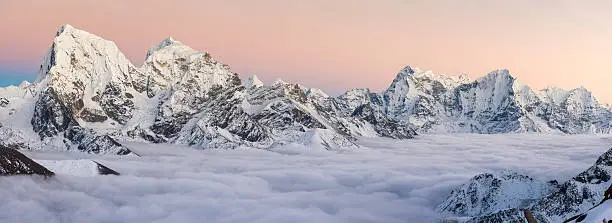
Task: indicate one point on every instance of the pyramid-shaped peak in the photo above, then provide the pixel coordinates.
(74, 48)
(253, 82)
(407, 70)
(402, 75)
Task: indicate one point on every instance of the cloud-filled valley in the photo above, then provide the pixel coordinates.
(385, 181)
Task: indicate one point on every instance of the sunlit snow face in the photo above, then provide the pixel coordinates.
(387, 181)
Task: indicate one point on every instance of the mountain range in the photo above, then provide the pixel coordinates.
(88, 96)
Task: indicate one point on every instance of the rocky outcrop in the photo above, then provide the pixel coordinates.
(3, 102)
(486, 200)
(12, 162)
(104, 170)
(488, 193)
(88, 140)
(51, 116)
(599, 213)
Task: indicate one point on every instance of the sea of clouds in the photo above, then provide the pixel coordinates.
(384, 181)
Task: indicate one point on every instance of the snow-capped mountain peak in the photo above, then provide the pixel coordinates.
(63, 28)
(170, 45)
(407, 70)
(279, 82)
(24, 84)
(253, 82)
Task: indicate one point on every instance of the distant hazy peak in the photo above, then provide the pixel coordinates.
(253, 82)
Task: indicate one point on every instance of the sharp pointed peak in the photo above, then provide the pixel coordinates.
(168, 41)
(253, 81)
(67, 28)
(25, 84)
(403, 74)
(407, 70)
(63, 28)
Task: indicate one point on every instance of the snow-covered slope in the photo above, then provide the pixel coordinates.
(600, 213)
(88, 95)
(550, 202)
(488, 193)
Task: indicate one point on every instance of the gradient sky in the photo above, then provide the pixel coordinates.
(338, 44)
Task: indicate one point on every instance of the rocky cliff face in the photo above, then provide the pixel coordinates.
(87, 89)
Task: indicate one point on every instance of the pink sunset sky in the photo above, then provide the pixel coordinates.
(339, 44)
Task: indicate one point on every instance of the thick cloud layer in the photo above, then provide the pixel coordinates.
(389, 181)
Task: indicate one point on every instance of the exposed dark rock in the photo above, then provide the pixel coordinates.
(51, 116)
(12, 162)
(116, 104)
(169, 127)
(382, 124)
(3, 102)
(103, 170)
(92, 115)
